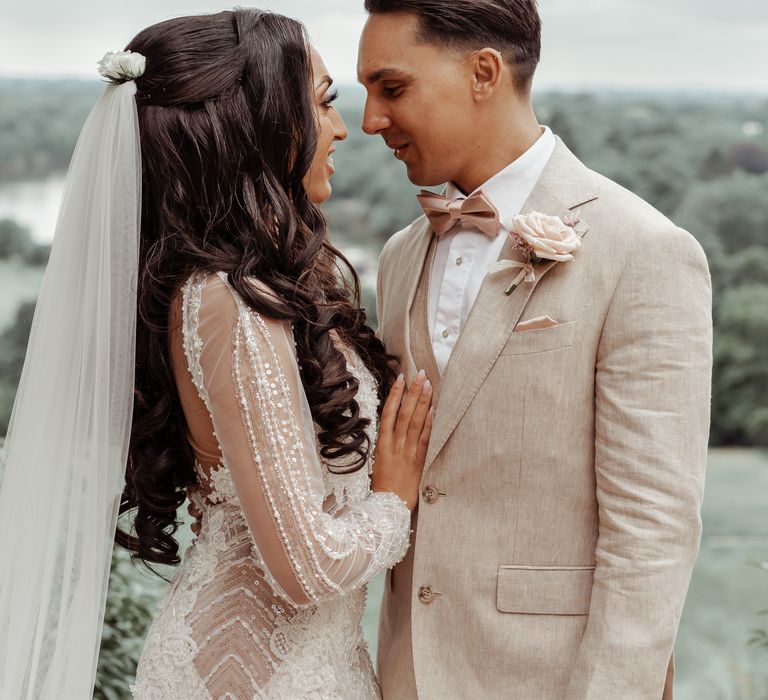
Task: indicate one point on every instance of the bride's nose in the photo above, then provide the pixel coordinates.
(340, 131)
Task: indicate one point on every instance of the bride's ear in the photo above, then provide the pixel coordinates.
(488, 71)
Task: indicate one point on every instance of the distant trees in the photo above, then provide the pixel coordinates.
(367, 173)
(130, 605)
(39, 124)
(15, 241)
(692, 159)
(13, 347)
(703, 162)
(729, 216)
(750, 158)
(740, 391)
(17, 244)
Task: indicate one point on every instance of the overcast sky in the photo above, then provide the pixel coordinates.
(690, 44)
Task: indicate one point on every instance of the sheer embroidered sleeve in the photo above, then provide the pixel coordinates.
(244, 367)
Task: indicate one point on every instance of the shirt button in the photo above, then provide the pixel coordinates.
(445, 334)
(430, 494)
(426, 595)
(459, 261)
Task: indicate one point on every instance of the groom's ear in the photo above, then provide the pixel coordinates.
(488, 73)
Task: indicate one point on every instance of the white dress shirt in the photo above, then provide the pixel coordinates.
(462, 256)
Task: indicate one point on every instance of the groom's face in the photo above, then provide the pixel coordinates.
(419, 98)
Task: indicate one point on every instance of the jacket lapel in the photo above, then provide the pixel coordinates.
(405, 281)
(494, 315)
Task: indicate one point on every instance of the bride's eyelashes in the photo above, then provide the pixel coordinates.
(330, 98)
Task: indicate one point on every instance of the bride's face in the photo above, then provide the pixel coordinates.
(330, 128)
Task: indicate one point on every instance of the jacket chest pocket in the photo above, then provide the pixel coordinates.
(544, 590)
(541, 340)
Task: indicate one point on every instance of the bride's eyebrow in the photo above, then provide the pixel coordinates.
(325, 79)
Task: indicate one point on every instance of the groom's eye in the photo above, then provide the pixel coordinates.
(392, 90)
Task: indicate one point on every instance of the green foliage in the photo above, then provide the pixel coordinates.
(39, 124)
(38, 256)
(730, 219)
(15, 240)
(740, 384)
(727, 215)
(13, 346)
(16, 244)
(130, 606)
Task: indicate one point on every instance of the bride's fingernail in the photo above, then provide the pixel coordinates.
(400, 379)
(422, 373)
(427, 386)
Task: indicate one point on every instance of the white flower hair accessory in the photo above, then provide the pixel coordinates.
(122, 65)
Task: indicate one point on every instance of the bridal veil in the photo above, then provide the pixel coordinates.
(67, 444)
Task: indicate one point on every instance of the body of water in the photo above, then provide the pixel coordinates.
(34, 204)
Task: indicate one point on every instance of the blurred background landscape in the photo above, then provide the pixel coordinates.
(700, 157)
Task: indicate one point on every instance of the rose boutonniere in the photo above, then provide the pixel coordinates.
(541, 238)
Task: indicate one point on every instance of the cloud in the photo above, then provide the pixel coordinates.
(655, 43)
(632, 43)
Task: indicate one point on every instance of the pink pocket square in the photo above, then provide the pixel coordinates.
(535, 324)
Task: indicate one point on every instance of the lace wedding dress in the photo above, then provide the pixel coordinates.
(269, 598)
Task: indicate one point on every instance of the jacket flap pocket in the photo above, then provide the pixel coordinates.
(544, 590)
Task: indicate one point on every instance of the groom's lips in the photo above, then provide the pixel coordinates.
(399, 150)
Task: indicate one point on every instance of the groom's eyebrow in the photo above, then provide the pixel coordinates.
(384, 74)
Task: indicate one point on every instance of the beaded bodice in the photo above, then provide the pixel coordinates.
(269, 598)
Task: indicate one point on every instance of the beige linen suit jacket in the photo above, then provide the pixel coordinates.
(559, 519)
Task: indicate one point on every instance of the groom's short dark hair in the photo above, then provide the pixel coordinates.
(513, 27)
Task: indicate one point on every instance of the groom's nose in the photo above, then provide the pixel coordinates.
(374, 119)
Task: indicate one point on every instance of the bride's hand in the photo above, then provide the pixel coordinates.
(401, 450)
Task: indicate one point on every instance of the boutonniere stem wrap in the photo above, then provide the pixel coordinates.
(542, 238)
(527, 272)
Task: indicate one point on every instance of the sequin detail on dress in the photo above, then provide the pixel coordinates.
(268, 601)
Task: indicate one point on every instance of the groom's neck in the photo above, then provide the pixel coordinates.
(501, 138)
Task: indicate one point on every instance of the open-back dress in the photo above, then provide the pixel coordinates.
(269, 598)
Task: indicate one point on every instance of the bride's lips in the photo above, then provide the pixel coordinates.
(329, 162)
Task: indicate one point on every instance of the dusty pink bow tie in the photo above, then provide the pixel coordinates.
(476, 210)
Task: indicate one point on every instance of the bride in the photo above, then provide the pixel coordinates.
(207, 340)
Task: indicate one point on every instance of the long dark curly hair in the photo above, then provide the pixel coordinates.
(228, 133)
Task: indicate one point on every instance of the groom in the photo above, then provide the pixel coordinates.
(559, 514)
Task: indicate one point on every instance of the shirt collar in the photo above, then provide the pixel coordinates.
(509, 189)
